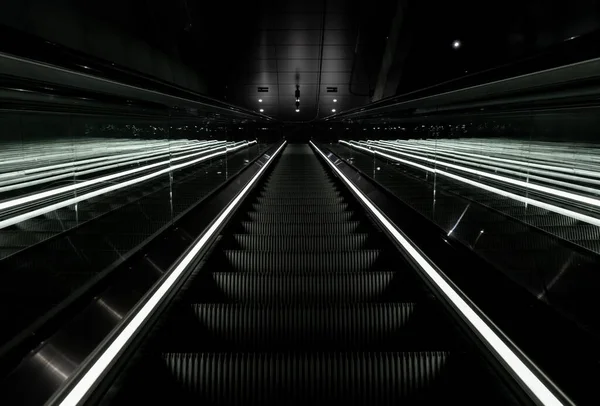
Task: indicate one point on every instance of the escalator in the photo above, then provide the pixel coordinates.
(303, 300)
(527, 243)
(75, 248)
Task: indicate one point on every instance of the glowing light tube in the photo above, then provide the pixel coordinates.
(78, 393)
(39, 176)
(45, 209)
(540, 188)
(521, 371)
(42, 195)
(557, 209)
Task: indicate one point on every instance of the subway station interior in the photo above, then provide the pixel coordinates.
(310, 202)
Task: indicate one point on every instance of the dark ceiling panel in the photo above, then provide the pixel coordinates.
(302, 43)
(298, 65)
(335, 77)
(302, 78)
(340, 37)
(264, 52)
(338, 52)
(337, 65)
(312, 21)
(291, 37)
(299, 52)
(262, 65)
(258, 79)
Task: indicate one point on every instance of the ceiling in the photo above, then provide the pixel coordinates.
(318, 44)
(312, 44)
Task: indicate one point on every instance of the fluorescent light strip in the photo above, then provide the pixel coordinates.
(83, 386)
(27, 154)
(512, 169)
(53, 192)
(511, 163)
(523, 373)
(528, 185)
(109, 162)
(98, 151)
(556, 209)
(567, 158)
(34, 213)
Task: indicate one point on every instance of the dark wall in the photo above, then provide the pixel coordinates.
(86, 27)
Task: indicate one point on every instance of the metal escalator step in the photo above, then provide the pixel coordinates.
(300, 208)
(299, 199)
(306, 378)
(347, 325)
(593, 245)
(280, 194)
(300, 243)
(301, 217)
(38, 224)
(303, 179)
(307, 229)
(581, 232)
(548, 220)
(300, 190)
(349, 261)
(305, 287)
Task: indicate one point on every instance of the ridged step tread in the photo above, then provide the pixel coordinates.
(349, 261)
(300, 243)
(294, 195)
(300, 199)
(300, 208)
(306, 229)
(301, 217)
(306, 378)
(300, 188)
(293, 287)
(347, 325)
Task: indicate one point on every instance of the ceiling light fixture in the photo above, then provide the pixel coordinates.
(333, 110)
(297, 110)
(335, 100)
(261, 110)
(260, 100)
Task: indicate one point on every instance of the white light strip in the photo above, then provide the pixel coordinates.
(449, 149)
(569, 213)
(46, 209)
(516, 182)
(83, 386)
(495, 343)
(514, 167)
(53, 192)
(142, 151)
(110, 162)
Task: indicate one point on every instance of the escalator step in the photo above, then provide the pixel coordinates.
(300, 243)
(340, 261)
(287, 287)
(303, 378)
(301, 217)
(304, 193)
(326, 201)
(299, 207)
(299, 188)
(338, 326)
(300, 229)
